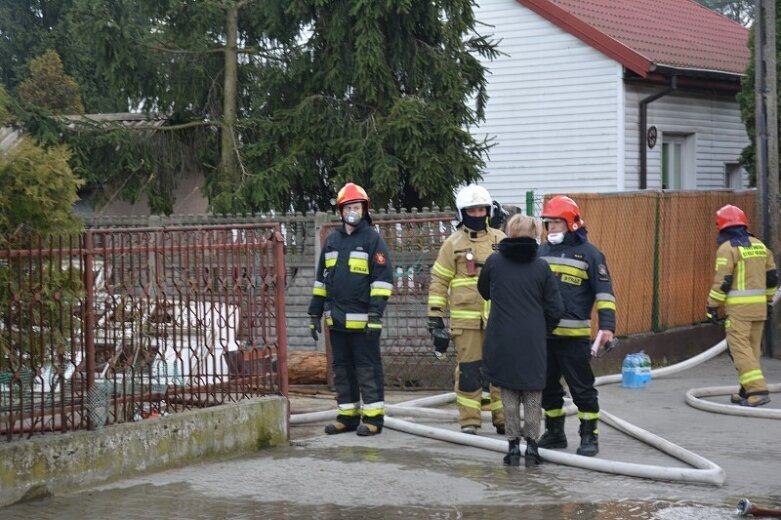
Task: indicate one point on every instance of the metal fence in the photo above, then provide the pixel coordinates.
(117, 325)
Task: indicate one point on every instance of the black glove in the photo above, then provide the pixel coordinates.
(441, 341)
(314, 326)
(435, 322)
(769, 311)
(374, 326)
(712, 313)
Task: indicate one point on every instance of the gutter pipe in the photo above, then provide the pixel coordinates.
(644, 129)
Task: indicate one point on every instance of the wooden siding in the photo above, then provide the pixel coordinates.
(553, 110)
(719, 134)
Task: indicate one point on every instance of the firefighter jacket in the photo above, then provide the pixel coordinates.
(354, 278)
(745, 279)
(454, 277)
(584, 279)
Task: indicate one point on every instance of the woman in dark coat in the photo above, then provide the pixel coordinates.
(525, 305)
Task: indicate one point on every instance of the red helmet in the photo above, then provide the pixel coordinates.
(729, 216)
(351, 192)
(563, 207)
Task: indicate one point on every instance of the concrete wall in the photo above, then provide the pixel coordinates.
(59, 463)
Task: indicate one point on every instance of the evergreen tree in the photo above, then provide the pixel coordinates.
(382, 94)
(742, 11)
(49, 87)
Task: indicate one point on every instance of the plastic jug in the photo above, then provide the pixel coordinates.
(628, 372)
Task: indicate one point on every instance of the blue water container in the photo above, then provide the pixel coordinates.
(628, 375)
(643, 370)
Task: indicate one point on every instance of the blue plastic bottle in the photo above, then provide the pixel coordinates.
(644, 369)
(628, 371)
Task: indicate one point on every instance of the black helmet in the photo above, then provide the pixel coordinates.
(499, 216)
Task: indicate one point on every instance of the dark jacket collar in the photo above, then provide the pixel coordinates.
(519, 249)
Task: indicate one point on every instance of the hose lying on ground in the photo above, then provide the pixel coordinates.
(704, 470)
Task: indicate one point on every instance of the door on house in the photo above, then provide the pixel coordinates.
(677, 163)
(733, 176)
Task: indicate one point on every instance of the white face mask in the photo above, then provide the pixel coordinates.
(555, 238)
(352, 217)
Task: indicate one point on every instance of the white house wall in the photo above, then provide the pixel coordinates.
(714, 121)
(554, 109)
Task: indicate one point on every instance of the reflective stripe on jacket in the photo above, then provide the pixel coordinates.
(452, 286)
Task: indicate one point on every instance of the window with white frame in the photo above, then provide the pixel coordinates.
(678, 172)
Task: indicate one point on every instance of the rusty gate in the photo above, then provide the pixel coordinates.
(118, 325)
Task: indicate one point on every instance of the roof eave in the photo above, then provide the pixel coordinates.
(591, 36)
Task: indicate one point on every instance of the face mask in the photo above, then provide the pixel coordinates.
(352, 218)
(555, 238)
(474, 223)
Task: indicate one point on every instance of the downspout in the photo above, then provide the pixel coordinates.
(644, 130)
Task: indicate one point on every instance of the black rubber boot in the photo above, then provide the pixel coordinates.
(513, 457)
(554, 437)
(589, 441)
(532, 456)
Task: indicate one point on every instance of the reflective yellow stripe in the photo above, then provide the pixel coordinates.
(469, 403)
(373, 325)
(496, 405)
(319, 291)
(329, 321)
(558, 412)
(437, 301)
(380, 292)
(566, 269)
(770, 292)
(463, 282)
(588, 416)
(487, 309)
(741, 276)
(465, 315)
(374, 412)
(606, 305)
(716, 295)
(731, 300)
(720, 262)
(354, 412)
(352, 324)
(358, 265)
(442, 272)
(585, 331)
(751, 376)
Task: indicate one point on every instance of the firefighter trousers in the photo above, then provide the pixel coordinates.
(744, 340)
(358, 378)
(571, 358)
(469, 379)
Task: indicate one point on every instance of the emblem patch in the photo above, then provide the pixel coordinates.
(380, 259)
(603, 275)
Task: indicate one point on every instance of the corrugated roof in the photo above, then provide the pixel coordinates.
(680, 34)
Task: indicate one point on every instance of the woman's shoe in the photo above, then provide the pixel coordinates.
(532, 456)
(513, 457)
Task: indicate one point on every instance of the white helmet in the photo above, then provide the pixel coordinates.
(473, 196)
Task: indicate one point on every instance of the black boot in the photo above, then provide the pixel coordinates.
(513, 457)
(554, 437)
(589, 442)
(532, 457)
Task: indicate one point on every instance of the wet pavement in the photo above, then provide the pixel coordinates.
(397, 475)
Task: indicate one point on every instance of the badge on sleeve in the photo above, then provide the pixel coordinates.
(603, 274)
(380, 259)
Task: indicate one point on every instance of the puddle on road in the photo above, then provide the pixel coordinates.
(176, 501)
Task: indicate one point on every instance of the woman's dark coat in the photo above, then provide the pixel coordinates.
(525, 305)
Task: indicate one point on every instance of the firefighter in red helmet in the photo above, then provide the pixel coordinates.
(584, 280)
(744, 286)
(353, 282)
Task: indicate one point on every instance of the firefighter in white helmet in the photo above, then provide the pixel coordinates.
(454, 285)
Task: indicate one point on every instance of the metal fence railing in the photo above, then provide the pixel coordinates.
(115, 325)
